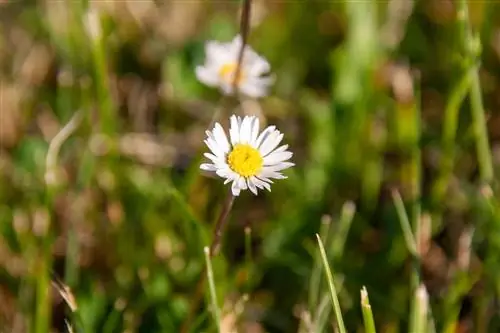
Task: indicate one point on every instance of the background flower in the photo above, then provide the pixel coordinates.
(220, 69)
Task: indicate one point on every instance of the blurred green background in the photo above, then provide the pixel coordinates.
(378, 100)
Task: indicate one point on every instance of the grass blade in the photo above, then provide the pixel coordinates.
(405, 223)
(419, 314)
(367, 312)
(331, 285)
(211, 284)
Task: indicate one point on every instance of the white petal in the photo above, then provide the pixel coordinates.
(271, 142)
(221, 138)
(242, 184)
(212, 157)
(230, 175)
(253, 90)
(256, 86)
(277, 157)
(245, 130)
(278, 167)
(265, 173)
(234, 130)
(215, 51)
(212, 145)
(235, 46)
(262, 136)
(259, 66)
(280, 149)
(252, 186)
(254, 131)
(260, 183)
(207, 75)
(208, 167)
(235, 189)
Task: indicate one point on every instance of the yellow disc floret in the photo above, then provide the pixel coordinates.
(245, 160)
(227, 72)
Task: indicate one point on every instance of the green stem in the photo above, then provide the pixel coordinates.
(472, 45)
(331, 285)
(420, 311)
(450, 125)
(43, 300)
(211, 284)
(107, 114)
(480, 130)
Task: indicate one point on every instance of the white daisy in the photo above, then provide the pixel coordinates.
(221, 62)
(248, 159)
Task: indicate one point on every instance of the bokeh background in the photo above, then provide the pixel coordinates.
(378, 100)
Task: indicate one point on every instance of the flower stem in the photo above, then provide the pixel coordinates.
(221, 223)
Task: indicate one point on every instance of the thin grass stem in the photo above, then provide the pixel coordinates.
(340, 236)
(331, 285)
(315, 280)
(420, 322)
(211, 284)
(405, 223)
(472, 46)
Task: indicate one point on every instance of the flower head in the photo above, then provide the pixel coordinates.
(221, 67)
(248, 159)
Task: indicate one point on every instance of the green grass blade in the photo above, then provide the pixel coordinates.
(419, 315)
(211, 284)
(367, 312)
(331, 285)
(405, 223)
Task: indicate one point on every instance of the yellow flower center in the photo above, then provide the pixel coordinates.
(227, 72)
(245, 160)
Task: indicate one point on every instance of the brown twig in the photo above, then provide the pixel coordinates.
(244, 31)
(221, 223)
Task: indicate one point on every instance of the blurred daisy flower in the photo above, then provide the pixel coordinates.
(221, 65)
(248, 159)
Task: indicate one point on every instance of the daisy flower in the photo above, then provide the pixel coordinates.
(248, 159)
(221, 62)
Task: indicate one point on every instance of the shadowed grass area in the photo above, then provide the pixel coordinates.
(390, 109)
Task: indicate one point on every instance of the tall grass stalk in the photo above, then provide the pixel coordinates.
(315, 279)
(43, 299)
(420, 322)
(405, 223)
(472, 46)
(331, 285)
(318, 306)
(340, 235)
(367, 312)
(211, 284)
(450, 124)
(92, 22)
